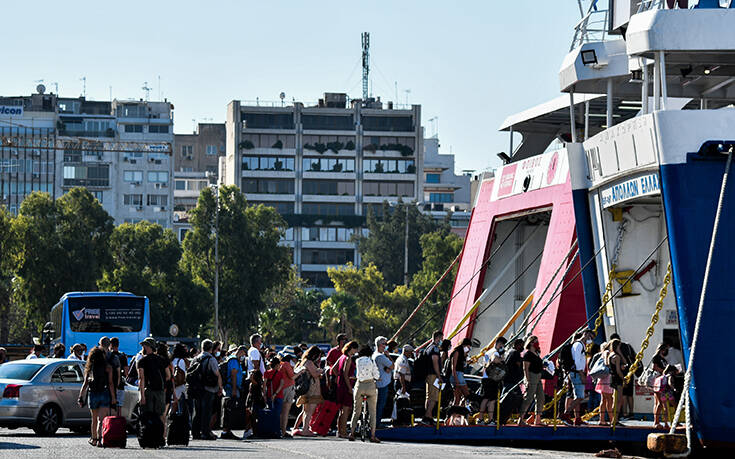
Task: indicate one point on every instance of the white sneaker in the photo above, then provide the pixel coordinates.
(247, 434)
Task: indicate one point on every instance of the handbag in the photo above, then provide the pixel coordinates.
(548, 370)
(648, 377)
(496, 371)
(599, 369)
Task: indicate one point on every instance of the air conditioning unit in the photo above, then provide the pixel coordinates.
(157, 185)
(151, 159)
(125, 159)
(135, 183)
(158, 161)
(133, 161)
(139, 207)
(162, 208)
(36, 174)
(164, 185)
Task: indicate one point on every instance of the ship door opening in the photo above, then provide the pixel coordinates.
(634, 229)
(526, 239)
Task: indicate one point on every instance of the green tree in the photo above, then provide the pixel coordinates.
(385, 244)
(251, 259)
(8, 249)
(145, 261)
(292, 314)
(63, 246)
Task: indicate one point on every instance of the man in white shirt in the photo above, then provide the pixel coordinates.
(576, 376)
(402, 372)
(35, 352)
(255, 359)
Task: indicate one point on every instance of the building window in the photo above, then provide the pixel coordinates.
(327, 256)
(186, 151)
(180, 185)
(321, 208)
(389, 166)
(133, 200)
(318, 279)
(97, 175)
(388, 123)
(268, 186)
(328, 122)
(328, 165)
(133, 176)
(97, 195)
(182, 233)
(212, 150)
(283, 208)
(158, 176)
(327, 234)
(157, 199)
(441, 197)
(433, 178)
(158, 129)
(267, 163)
(133, 128)
(404, 189)
(133, 111)
(328, 187)
(268, 120)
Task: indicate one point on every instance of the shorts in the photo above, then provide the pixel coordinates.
(459, 381)
(432, 392)
(154, 402)
(98, 399)
(289, 394)
(577, 385)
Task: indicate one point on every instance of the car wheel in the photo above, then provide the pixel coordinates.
(133, 421)
(48, 421)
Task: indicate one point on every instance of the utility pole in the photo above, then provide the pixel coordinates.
(405, 252)
(213, 182)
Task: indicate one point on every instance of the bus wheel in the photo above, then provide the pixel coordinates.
(48, 421)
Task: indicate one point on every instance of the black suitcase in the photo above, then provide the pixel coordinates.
(233, 413)
(178, 426)
(511, 404)
(267, 424)
(150, 430)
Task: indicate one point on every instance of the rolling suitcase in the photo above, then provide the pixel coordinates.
(178, 426)
(267, 424)
(233, 413)
(114, 431)
(323, 417)
(150, 430)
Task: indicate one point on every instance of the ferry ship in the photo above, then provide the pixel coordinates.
(614, 181)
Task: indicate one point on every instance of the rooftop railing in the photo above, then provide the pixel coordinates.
(592, 27)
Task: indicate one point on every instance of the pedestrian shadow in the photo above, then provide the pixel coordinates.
(11, 445)
(210, 448)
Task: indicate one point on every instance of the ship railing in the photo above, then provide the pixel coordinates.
(593, 27)
(646, 5)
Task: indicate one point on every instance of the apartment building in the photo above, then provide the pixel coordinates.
(445, 192)
(322, 167)
(119, 150)
(196, 159)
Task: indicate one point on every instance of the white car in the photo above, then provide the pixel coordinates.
(42, 394)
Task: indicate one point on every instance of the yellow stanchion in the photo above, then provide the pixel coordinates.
(497, 411)
(556, 415)
(439, 408)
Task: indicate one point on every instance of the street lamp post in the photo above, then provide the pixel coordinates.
(405, 252)
(213, 178)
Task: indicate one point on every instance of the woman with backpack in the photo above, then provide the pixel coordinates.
(344, 371)
(457, 362)
(180, 364)
(309, 366)
(99, 389)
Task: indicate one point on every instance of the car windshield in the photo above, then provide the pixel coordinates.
(21, 371)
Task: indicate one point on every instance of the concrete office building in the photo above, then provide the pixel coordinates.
(322, 167)
(445, 193)
(119, 150)
(195, 156)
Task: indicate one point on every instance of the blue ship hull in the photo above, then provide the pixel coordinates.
(690, 193)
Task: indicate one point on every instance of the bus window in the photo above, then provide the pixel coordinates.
(106, 314)
(56, 316)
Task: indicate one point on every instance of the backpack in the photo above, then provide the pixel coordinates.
(132, 377)
(179, 376)
(223, 373)
(302, 383)
(566, 360)
(199, 375)
(422, 366)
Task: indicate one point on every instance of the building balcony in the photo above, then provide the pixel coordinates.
(107, 133)
(330, 175)
(270, 197)
(268, 174)
(328, 245)
(389, 177)
(380, 199)
(268, 151)
(329, 198)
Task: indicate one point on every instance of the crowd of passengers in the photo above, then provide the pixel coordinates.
(220, 388)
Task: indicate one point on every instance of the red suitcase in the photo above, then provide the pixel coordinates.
(323, 417)
(114, 431)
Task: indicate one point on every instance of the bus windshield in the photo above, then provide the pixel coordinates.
(106, 314)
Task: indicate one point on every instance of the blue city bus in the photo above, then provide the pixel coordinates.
(85, 317)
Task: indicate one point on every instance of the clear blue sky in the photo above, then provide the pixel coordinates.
(469, 63)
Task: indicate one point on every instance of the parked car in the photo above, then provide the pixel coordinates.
(42, 394)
